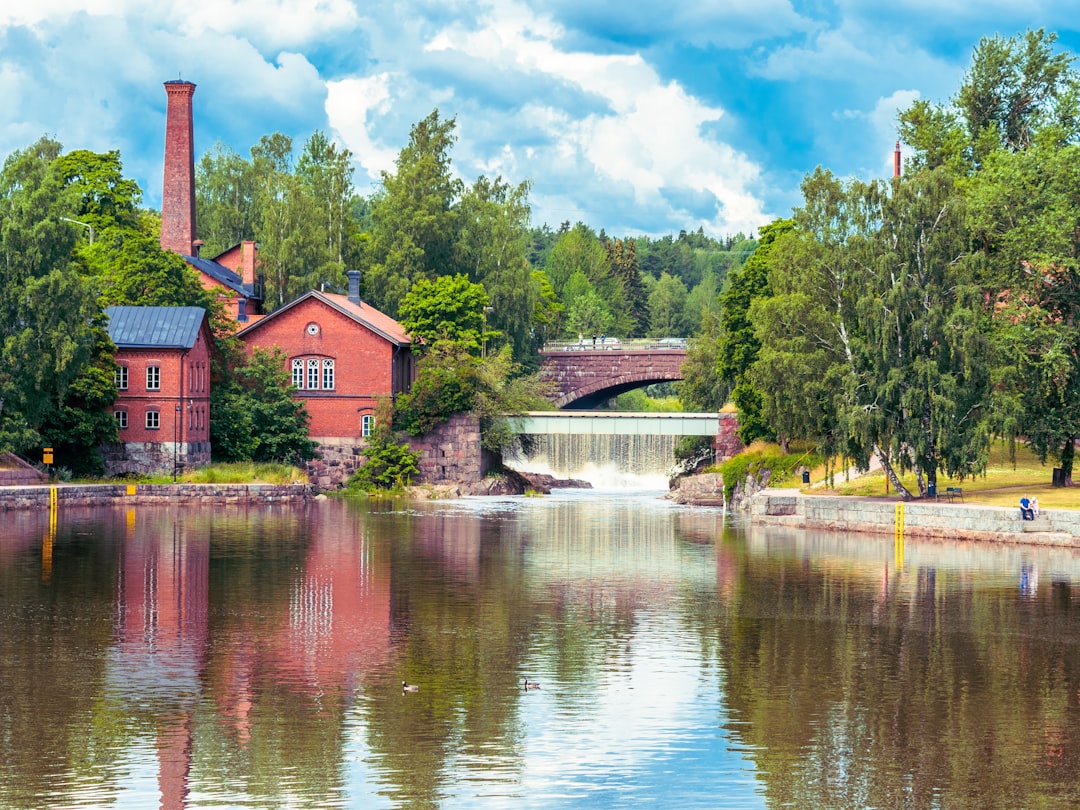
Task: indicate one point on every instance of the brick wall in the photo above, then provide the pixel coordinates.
(363, 363)
(452, 453)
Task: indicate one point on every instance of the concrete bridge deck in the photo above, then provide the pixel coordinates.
(618, 423)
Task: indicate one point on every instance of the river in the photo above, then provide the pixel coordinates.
(254, 657)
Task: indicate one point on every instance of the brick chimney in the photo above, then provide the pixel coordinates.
(247, 262)
(178, 189)
(896, 161)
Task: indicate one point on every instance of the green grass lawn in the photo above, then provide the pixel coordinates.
(1004, 482)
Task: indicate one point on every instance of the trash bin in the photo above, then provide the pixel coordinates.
(806, 476)
(931, 490)
(1059, 477)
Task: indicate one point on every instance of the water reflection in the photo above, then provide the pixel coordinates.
(254, 657)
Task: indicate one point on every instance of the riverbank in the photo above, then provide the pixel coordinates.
(918, 519)
(40, 497)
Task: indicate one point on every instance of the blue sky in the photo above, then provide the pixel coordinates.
(639, 118)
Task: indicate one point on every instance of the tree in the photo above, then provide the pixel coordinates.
(225, 199)
(493, 219)
(667, 307)
(622, 255)
(414, 225)
(738, 343)
(448, 309)
(50, 335)
(256, 417)
(1025, 213)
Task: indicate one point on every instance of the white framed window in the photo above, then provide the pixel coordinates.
(298, 373)
(153, 420)
(328, 374)
(153, 378)
(121, 419)
(367, 424)
(313, 373)
(121, 377)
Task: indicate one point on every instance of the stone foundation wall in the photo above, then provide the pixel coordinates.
(452, 452)
(143, 458)
(727, 443)
(336, 459)
(930, 519)
(151, 494)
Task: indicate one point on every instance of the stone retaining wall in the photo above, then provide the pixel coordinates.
(38, 497)
(931, 519)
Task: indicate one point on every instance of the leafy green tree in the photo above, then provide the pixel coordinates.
(579, 255)
(225, 191)
(622, 255)
(667, 307)
(447, 309)
(1025, 212)
(702, 388)
(414, 223)
(491, 246)
(738, 342)
(255, 415)
(447, 381)
(49, 333)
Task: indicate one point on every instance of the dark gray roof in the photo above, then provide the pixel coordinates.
(154, 327)
(223, 274)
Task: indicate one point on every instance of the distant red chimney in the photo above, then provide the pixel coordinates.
(896, 161)
(178, 189)
(247, 262)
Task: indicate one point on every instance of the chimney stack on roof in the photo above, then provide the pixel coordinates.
(178, 188)
(354, 286)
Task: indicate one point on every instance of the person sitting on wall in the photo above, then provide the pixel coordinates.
(1035, 507)
(1026, 512)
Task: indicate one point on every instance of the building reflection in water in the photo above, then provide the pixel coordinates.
(329, 627)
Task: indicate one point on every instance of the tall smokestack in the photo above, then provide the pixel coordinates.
(178, 189)
(896, 161)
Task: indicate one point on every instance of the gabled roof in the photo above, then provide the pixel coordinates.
(365, 314)
(155, 327)
(222, 274)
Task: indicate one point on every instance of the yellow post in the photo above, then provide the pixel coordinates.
(898, 531)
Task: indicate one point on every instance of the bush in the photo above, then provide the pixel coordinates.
(390, 463)
(765, 457)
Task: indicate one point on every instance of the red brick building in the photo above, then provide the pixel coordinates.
(231, 273)
(344, 356)
(162, 408)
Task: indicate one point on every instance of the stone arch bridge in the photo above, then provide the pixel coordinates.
(586, 377)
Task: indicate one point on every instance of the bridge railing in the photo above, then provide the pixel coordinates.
(615, 344)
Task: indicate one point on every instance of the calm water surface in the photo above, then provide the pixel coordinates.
(237, 657)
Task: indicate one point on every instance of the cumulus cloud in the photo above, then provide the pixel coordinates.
(648, 139)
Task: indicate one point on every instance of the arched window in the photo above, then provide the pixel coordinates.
(328, 375)
(312, 373)
(298, 373)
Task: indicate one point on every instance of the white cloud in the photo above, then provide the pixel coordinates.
(350, 106)
(649, 137)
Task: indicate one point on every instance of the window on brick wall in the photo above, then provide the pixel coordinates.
(153, 378)
(367, 424)
(121, 419)
(120, 375)
(298, 373)
(312, 374)
(328, 375)
(153, 420)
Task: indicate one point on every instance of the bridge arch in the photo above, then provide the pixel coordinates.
(584, 379)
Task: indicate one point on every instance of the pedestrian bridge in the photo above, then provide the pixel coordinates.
(584, 377)
(618, 423)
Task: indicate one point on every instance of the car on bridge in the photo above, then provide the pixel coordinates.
(671, 343)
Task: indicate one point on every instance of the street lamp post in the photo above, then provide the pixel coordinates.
(175, 440)
(84, 224)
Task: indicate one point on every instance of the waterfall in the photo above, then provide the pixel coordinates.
(605, 461)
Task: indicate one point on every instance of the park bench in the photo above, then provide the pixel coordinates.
(951, 494)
